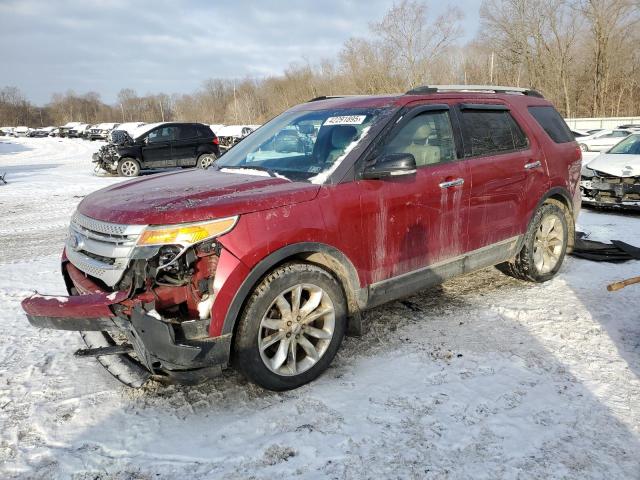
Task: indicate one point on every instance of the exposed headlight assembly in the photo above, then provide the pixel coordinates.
(186, 234)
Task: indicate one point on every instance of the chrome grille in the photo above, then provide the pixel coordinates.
(90, 240)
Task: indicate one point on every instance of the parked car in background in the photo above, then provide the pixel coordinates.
(229, 135)
(265, 260)
(7, 131)
(612, 179)
(21, 131)
(630, 126)
(64, 129)
(159, 145)
(602, 140)
(580, 133)
(41, 132)
(55, 132)
(101, 131)
(215, 128)
(78, 131)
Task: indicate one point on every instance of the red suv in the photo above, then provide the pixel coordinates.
(265, 260)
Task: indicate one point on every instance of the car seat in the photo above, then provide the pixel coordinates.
(341, 137)
(423, 153)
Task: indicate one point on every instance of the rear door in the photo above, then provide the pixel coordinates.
(186, 145)
(507, 171)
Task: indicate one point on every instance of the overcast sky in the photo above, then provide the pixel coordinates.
(172, 46)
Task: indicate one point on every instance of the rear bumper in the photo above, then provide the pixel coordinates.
(169, 351)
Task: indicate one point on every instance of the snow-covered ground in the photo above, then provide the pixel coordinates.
(485, 377)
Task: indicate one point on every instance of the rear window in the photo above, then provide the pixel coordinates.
(204, 131)
(188, 131)
(552, 123)
(490, 132)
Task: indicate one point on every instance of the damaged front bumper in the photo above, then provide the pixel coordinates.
(106, 158)
(614, 192)
(128, 336)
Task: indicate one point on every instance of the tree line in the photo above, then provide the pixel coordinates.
(581, 54)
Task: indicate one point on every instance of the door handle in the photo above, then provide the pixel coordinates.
(452, 183)
(536, 164)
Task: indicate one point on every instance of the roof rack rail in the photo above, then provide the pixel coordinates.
(324, 97)
(425, 89)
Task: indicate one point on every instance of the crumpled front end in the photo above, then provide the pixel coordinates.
(600, 189)
(107, 158)
(144, 312)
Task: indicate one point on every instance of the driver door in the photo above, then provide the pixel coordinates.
(411, 222)
(156, 153)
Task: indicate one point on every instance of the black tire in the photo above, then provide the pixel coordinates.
(128, 167)
(247, 356)
(123, 367)
(206, 160)
(524, 266)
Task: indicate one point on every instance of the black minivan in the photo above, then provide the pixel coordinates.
(159, 145)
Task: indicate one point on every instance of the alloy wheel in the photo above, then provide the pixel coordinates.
(296, 330)
(129, 168)
(548, 243)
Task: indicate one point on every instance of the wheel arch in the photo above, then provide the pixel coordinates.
(562, 198)
(325, 256)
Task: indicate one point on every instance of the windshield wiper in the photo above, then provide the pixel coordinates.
(246, 167)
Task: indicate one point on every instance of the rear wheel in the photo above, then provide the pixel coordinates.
(544, 248)
(128, 167)
(291, 328)
(206, 160)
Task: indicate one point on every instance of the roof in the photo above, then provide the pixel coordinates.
(400, 100)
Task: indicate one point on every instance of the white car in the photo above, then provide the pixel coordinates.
(21, 131)
(613, 178)
(101, 131)
(602, 140)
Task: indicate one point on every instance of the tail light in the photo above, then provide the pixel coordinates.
(216, 141)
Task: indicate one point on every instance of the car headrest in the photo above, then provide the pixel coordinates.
(422, 132)
(343, 135)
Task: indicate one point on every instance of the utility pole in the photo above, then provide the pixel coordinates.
(235, 103)
(491, 71)
(122, 108)
(161, 109)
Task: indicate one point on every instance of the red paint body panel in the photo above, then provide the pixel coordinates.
(94, 305)
(191, 196)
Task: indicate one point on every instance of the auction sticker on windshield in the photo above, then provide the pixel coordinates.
(346, 120)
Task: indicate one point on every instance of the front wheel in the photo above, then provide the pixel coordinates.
(128, 167)
(544, 247)
(206, 160)
(291, 328)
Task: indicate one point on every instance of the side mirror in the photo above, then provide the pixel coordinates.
(391, 165)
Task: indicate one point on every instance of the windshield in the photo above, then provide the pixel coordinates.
(301, 145)
(629, 146)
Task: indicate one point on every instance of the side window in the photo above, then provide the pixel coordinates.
(492, 132)
(428, 137)
(204, 131)
(187, 131)
(552, 123)
(162, 134)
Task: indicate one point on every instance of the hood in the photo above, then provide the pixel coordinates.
(616, 164)
(191, 196)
